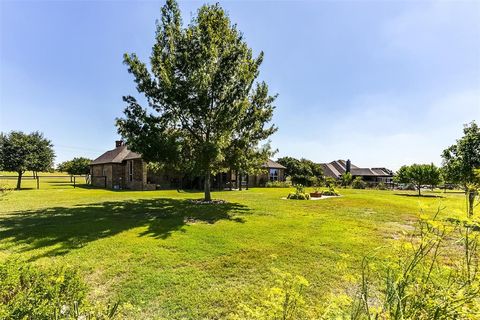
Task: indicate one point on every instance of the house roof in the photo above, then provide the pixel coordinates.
(336, 168)
(117, 155)
(272, 164)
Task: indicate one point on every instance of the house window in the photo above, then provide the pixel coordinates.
(273, 176)
(130, 170)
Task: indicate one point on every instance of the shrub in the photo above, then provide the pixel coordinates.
(299, 193)
(330, 192)
(301, 196)
(330, 182)
(28, 292)
(278, 184)
(358, 183)
(381, 186)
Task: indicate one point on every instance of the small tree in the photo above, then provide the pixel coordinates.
(419, 175)
(78, 166)
(346, 179)
(21, 152)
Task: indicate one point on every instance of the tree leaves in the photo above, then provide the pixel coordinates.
(203, 112)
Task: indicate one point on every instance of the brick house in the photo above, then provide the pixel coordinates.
(122, 168)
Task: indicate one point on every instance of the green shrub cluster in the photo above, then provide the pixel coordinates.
(381, 186)
(278, 184)
(28, 292)
(299, 193)
(358, 183)
(330, 192)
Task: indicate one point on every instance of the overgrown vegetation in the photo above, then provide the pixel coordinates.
(55, 292)
(434, 276)
(284, 300)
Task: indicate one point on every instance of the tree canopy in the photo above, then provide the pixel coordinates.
(461, 159)
(419, 175)
(205, 111)
(20, 152)
(76, 166)
(302, 171)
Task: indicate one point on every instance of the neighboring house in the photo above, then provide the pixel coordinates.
(273, 171)
(335, 169)
(121, 168)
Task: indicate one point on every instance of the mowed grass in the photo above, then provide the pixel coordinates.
(173, 259)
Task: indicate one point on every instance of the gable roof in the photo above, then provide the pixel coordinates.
(272, 164)
(336, 168)
(117, 155)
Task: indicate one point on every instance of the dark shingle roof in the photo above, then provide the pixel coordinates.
(116, 155)
(272, 164)
(336, 168)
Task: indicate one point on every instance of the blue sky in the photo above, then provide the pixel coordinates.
(383, 83)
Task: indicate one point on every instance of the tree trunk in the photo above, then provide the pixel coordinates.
(240, 178)
(419, 191)
(208, 197)
(19, 181)
(247, 183)
(471, 201)
(230, 179)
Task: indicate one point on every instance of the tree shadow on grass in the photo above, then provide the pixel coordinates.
(68, 228)
(419, 196)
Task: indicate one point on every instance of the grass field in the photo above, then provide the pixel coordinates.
(172, 259)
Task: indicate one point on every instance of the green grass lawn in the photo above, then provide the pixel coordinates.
(173, 259)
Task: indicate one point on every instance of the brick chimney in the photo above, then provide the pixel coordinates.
(118, 143)
(349, 165)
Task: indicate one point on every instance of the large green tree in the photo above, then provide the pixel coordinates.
(20, 152)
(301, 171)
(203, 101)
(76, 166)
(461, 159)
(419, 175)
